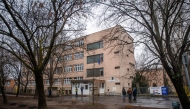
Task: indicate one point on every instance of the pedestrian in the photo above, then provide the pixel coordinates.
(49, 93)
(123, 94)
(134, 93)
(76, 92)
(81, 90)
(129, 91)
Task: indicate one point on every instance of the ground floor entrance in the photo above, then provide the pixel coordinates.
(85, 87)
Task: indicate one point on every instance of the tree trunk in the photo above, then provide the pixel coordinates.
(181, 93)
(51, 83)
(18, 90)
(138, 88)
(25, 88)
(36, 93)
(3, 93)
(41, 94)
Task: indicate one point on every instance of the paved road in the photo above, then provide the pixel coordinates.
(161, 102)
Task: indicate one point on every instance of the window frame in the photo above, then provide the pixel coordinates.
(68, 69)
(78, 67)
(93, 46)
(95, 58)
(98, 72)
(79, 55)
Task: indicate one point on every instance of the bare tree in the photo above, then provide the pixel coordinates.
(35, 26)
(4, 72)
(162, 26)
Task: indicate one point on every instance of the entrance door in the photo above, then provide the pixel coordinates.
(86, 89)
(101, 88)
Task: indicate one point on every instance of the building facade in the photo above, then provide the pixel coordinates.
(105, 59)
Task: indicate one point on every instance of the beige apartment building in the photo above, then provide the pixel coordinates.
(100, 57)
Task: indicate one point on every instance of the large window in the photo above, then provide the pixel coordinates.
(95, 58)
(79, 55)
(58, 70)
(78, 67)
(95, 72)
(67, 81)
(56, 81)
(68, 68)
(68, 57)
(95, 45)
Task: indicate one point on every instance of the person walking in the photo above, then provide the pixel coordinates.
(76, 92)
(81, 90)
(129, 91)
(123, 94)
(134, 93)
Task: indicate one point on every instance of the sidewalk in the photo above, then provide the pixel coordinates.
(144, 101)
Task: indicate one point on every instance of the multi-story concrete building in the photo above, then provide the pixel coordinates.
(105, 57)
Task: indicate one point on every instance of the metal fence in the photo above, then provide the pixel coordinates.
(146, 90)
(140, 91)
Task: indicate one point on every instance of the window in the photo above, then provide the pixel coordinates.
(78, 78)
(68, 69)
(67, 81)
(78, 67)
(29, 82)
(67, 47)
(79, 55)
(128, 84)
(117, 52)
(95, 45)
(58, 59)
(117, 67)
(117, 83)
(7, 83)
(68, 57)
(101, 85)
(115, 38)
(86, 87)
(97, 72)
(56, 81)
(58, 70)
(101, 72)
(33, 82)
(47, 82)
(79, 43)
(112, 78)
(94, 58)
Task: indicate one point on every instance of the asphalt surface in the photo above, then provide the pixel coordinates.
(144, 101)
